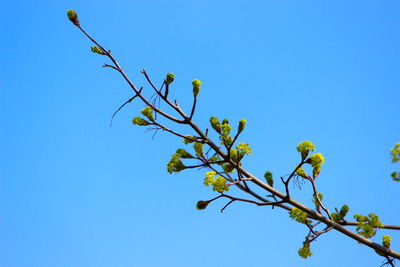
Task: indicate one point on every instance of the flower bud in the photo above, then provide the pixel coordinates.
(242, 124)
(196, 87)
(268, 177)
(73, 17)
(201, 205)
(97, 50)
(170, 78)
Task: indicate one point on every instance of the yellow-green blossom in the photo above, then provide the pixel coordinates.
(304, 148)
(148, 112)
(244, 148)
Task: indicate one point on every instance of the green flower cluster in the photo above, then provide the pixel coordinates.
(170, 78)
(73, 17)
(244, 149)
(367, 224)
(219, 183)
(268, 177)
(299, 216)
(304, 148)
(339, 216)
(139, 121)
(226, 129)
(305, 251)
(148, 113)
(97, 50)
(316, 161)
(175, 164)
(196, 87)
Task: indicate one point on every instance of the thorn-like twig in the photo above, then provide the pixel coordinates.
(127, 102)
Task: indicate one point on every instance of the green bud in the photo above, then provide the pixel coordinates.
(139, 121)
(268, 177)
(183, 153)
(196, 87)
(225, 121)
(148, 112)
(395, 152)
(215, 124)
(170, 78)
(201, 205)
(242, 124)
(386, 241)
(97, 50)
(344, 210)
(73, 17)
(396, 176)
(301, 172)
(228, 168)
(316, 172)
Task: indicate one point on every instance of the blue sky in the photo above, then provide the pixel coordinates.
(75, 192)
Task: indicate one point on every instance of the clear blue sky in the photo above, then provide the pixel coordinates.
(75, 192)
